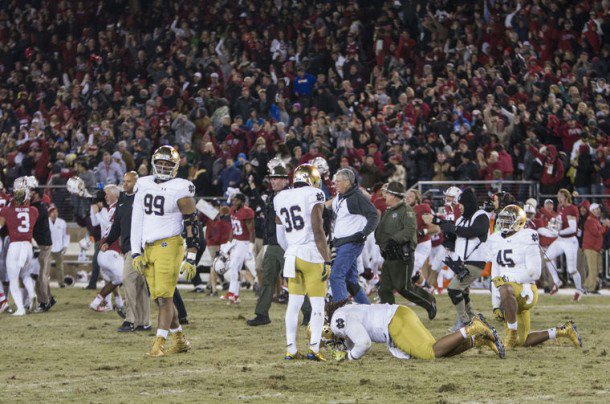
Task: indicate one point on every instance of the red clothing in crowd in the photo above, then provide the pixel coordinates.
(593, 234)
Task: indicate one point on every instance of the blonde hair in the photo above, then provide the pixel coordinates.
(566, 193)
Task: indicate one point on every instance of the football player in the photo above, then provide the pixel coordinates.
(242, 222)
(19, 219)
(404, 334)
(300, 233)
(566, 242)
(326, 184)
(516, 266)
(4, 201)
(163, 205)
(423, 214)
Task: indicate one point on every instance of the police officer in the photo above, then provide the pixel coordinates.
(396, 236)
(273, 258)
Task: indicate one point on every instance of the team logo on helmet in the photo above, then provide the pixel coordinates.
(165, 163)
(511, 219)
(308, 174)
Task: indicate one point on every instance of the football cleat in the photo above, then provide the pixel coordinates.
(181, 344)
(512, 339)
(569, 330)
(577, 296)
(226, 296)
(496, 346)
(233, 299)
(126, 327)
(499, 314)
(480, 326)
(158, 348)
(312, 356)
(258, 320)
(294, 356)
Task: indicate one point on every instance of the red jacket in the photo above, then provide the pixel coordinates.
(593, 234)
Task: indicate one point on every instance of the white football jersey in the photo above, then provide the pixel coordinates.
(517, 257)
(361, 324)
(155, 214)
(294, 207)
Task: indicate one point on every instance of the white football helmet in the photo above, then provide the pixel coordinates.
(452, 195)
(321, 164)
(221, 264)
(76, 186)
(554, 224)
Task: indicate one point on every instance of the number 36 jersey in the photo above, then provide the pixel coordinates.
(517, 257)
(20, 222)
(155, 214)
(294, 207)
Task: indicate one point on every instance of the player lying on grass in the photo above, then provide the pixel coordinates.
(516, 266)
(401, 330)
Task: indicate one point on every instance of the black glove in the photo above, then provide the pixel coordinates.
(437, 220)
(458, 267)
(448, 227)
(421, 233)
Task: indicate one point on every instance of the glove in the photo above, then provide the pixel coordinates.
(326, 271)
(188, 268)
(139, 264)
(447, 227)
(527, 293)
(499, 280)
(340, 355)
(499, 314)
(421, 233)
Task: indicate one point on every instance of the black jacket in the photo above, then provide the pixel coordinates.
(121, 226)
(42, 231)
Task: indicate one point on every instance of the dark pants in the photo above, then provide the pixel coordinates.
(344, 274)
(179, 304)
(396, 274)
(273, 263)
(95, 268)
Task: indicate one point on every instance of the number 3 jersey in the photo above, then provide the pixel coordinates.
(294, 207)
(155, 214)
(20, 222)
(517, 256)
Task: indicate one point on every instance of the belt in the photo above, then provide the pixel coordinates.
(567, 235)
(165, 240)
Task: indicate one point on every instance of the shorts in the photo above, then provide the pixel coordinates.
(163, 258)
(410, 335)
(308, 279)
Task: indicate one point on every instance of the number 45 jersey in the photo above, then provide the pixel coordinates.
(517, 256)
(155, 214)
(294, 207)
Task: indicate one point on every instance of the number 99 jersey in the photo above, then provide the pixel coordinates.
(294, 207)
(156, 214)
(517, 257)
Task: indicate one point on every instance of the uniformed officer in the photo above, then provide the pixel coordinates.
(396, 236)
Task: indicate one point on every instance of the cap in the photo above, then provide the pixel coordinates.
(549, 201)
(53, 207)
(593, 207)
(529, 208)
(395, 188)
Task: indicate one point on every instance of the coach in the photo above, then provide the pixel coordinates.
(355, 217)
(42, 235)
(593, 237)
(136, 294)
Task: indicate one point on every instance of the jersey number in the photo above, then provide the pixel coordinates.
(154, 204)
(237, 229)
(292, 217)
(24, 224)
(504, 258)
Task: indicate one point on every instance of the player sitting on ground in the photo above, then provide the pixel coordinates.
(516, 266)
(401, 330)
(162, 205)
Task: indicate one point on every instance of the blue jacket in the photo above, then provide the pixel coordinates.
(230, 177)
(304, 86)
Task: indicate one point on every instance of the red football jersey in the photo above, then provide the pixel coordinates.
(564, 212)
(238, 222)
(20, 222)
(452, 212)
(420, 211)
(5, 199)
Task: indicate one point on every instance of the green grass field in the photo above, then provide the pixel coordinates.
(74, 354)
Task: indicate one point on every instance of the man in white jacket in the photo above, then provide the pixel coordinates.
(61, 240)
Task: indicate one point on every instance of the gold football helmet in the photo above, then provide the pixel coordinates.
(165, 172)
(308, 174)
(511, 219)
(327, 334)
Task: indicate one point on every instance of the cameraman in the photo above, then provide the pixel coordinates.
(468, 259)
(397, 232)
(100, 219)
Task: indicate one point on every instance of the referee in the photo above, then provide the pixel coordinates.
(137, 316)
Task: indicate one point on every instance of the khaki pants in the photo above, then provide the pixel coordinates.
(136, 295)
(258, 253)
(594, 264)
(43, 289)
(58, 258)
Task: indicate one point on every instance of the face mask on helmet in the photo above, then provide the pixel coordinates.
(307, 174)
(511, 219)
(21, 195)
(165, 162)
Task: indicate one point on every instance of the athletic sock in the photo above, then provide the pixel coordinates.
(175, 330)
(119, 301)
(552, 333)
(554, 274)
(162, 333)
(463, 332)
(577, 280)
(98, 299)
(292, 321)
(108, 299)
(511, 326)
(316, 323)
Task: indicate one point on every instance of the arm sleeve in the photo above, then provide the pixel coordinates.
(137, 219)
(356, 333)
(495, 292)
(280, 234)
(533, 266)
(115, 230)
(94, 219)
(570, 229)
(479, 227)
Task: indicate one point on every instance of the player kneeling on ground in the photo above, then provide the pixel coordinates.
(162, 205)
(516, 266)
(401, 330)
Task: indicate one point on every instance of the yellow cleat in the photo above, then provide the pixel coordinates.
(181, 344)
(158, 348)
(318, 357)
(295, 356)
(569, 330)
(482, 341)
(480, 326)
(512, 339)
